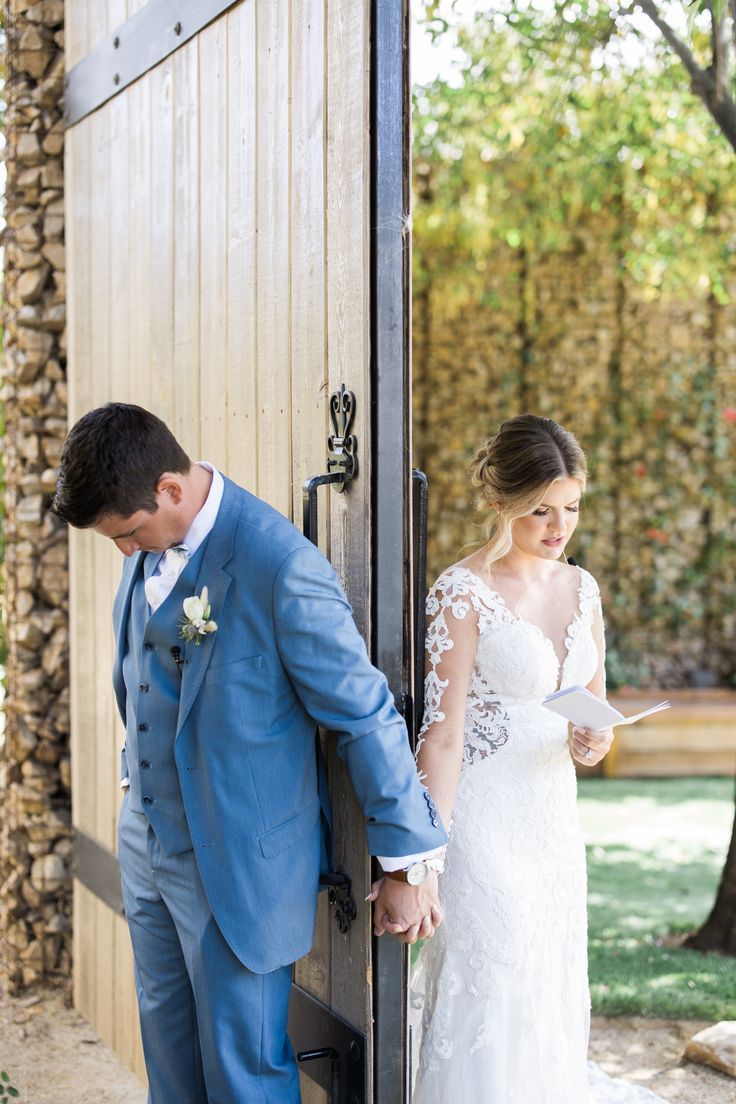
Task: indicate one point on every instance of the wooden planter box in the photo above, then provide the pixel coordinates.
(697, 736)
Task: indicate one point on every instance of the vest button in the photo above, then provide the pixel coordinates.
(145, 764)
(148, 646)
(143, 727)
(148, 801)
(144, 688)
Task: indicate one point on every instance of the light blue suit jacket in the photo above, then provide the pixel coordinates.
(286, 654)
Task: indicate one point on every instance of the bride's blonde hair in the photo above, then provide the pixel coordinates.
(514, 469)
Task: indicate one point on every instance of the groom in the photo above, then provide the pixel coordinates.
(223, 826)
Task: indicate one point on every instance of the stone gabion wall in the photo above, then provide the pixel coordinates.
(35, 797)
(649, 386)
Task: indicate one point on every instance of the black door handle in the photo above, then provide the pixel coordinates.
(310, 526)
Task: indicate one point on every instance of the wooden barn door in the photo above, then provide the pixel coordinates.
(236, 192)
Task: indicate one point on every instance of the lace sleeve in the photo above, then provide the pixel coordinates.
(592, 595)
(452, 638)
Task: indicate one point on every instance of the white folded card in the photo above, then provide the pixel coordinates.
(584, 709)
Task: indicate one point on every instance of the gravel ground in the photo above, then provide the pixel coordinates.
(52, 1054)
(649, 1053)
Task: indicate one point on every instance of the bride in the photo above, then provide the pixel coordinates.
(502, 988)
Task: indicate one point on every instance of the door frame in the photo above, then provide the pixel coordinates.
(392, 644)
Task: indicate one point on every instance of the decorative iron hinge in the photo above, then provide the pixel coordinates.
(342, 460)
(342, 444)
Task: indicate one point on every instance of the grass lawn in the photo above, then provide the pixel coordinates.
(655, 852)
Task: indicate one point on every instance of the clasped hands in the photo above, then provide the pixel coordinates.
(408, 912)
(590, 745)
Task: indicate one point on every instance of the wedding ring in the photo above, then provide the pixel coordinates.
(588, 754)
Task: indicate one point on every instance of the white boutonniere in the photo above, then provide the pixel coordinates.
(195, 625)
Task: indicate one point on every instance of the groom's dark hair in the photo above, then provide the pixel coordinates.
(111, 463)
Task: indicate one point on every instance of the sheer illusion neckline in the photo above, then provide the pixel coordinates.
(568, 634)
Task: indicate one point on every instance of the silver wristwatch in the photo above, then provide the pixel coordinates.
(414, 875)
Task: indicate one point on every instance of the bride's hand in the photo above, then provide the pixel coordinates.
(590, 745)
(408, 912)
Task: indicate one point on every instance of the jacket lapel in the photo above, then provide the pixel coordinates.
(121, 612)
(212, 574)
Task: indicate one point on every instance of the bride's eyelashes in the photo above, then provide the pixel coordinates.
(543, 513)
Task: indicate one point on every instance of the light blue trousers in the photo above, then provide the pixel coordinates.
(213, 1031)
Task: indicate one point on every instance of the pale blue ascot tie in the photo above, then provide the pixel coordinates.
(160, 584)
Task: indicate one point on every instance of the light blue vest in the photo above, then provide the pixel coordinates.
(153, 688)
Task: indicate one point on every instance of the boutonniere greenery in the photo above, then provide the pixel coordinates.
(195, 625)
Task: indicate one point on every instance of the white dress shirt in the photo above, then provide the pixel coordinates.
(200, 528)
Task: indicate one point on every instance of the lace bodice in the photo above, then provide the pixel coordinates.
(513, 662)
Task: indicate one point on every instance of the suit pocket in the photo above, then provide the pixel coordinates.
(286, 835)
(225, 672)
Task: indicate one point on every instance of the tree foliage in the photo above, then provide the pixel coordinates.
(546, 120)
(695, 39)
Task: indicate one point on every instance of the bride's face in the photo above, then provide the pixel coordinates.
(546, 531)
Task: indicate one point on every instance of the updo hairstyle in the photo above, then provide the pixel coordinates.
(514, 469)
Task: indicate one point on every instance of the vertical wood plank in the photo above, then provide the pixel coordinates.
(96, 23)
(274, 436)
(348, 275)
(98, 375)
(309, 394)
(240, 352)
(81, 598)
(125, 1030)
(98, 701)
(117, 13)
(84, 916)
(126, 1040)
(139, 247)
(213, 180)
(121, 386)
(186, 248)
(75, 31)
(160, 361)
(307, 222)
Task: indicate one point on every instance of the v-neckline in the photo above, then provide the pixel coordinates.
(561, 663)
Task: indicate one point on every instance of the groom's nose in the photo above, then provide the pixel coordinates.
(128, 547)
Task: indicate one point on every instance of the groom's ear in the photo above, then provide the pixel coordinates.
(170, 484)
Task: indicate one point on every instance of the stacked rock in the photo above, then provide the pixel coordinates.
(35, 800)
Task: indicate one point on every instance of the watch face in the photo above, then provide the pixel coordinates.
(417, 873)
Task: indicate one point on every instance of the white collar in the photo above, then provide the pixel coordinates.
(204, 522)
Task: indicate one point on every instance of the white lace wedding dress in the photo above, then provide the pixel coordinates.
(500, 994)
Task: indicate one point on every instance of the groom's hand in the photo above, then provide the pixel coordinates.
(408, 912)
